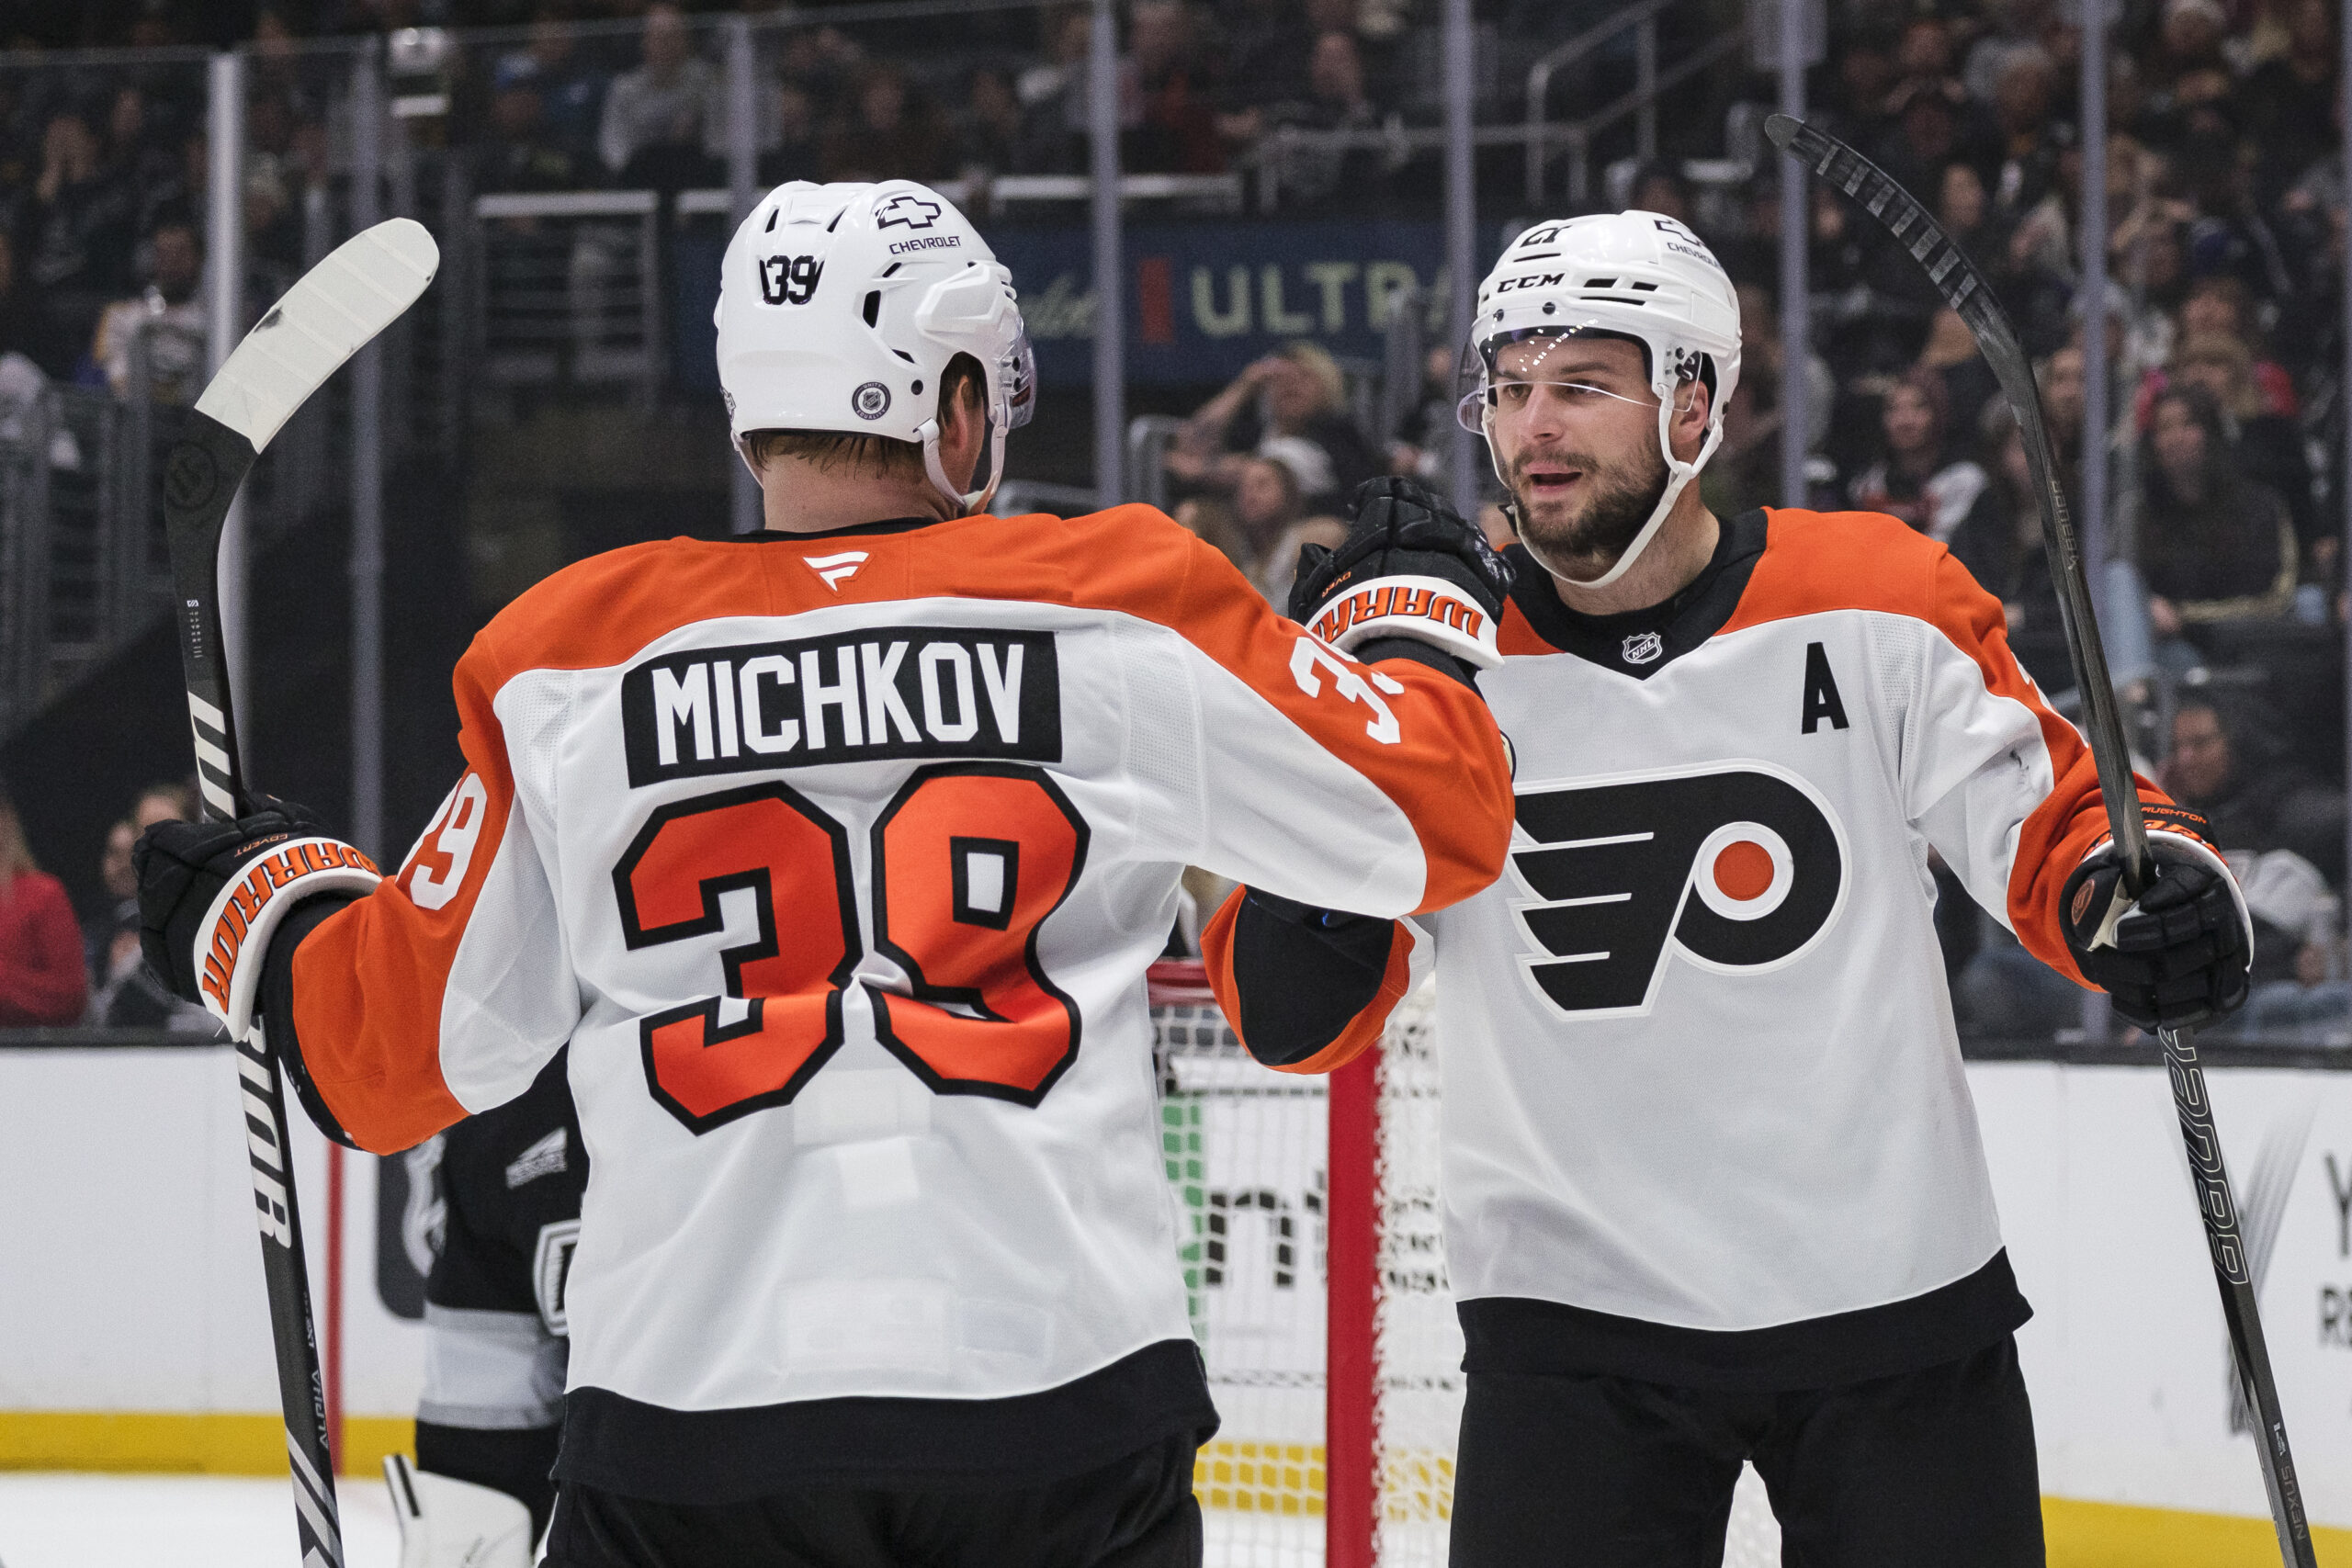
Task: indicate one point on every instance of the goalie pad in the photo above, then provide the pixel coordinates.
(448, 1523)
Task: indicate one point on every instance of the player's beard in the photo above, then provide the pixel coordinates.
(1581, 540)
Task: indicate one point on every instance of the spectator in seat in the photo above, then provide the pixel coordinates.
(1266, 502)
(1167, 69)
(1268, 48)
(1284, 405)
(1745, 470)
(1915, 478)
(2293, 1000)
(2226, 762)
(659, 117)
(889, 134)
(78, 255)
(126, 994)
(2220, 303)
(523, 152)
(988, 133)
(2291, 99)
(1999, 541)
(1313, 176)
(2267, 446)
(42, 977)
(110, 939)
(572, 94)
(2030, 141)
(1951, 356)
(167, 315)
(2212, 544)
(162, 802)
(799, 146)
(19, 322)
(1053, 97)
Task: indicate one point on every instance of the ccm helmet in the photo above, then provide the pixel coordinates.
(1635, 275)
(840, 306)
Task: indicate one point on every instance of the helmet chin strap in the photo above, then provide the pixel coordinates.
(1678, 474)
(965, 505)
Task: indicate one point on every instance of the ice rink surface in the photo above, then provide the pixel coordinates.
(52, 1521)
(56, 1520)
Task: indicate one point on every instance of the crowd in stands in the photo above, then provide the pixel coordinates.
(2223, 313)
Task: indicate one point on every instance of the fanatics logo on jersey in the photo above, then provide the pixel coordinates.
(907, 692)
(836, 569)
(1741, 869)
(1643, 648)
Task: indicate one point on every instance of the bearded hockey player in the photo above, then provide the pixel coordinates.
(1714, 1186)
(506, 1186)
(836, 855)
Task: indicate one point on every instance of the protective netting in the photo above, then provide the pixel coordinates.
(1247, 1151)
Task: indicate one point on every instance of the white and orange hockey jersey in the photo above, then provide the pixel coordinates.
(837, 861)
(1705, 1117)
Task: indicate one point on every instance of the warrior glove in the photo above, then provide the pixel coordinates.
(1408, 569)
(2179, 955)
(210, 894)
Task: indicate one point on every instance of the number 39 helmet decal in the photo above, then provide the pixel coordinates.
(1737, 867)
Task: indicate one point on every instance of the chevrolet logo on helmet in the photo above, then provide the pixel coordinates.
(905, 208)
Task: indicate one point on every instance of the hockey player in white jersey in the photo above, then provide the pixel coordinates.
(836, 855)
(1715, 1190)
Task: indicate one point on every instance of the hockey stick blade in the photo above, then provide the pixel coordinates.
(329, 315)
(332, 312)
(1964, 290)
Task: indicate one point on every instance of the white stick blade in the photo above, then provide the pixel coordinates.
(323, 319)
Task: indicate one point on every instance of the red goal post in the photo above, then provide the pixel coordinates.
(1245, 1144)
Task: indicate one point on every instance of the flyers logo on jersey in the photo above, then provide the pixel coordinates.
(1737, 868)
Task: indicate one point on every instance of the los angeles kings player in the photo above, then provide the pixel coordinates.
(836, 855)
(1714, 1189)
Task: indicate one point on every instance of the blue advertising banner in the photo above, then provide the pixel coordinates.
(1203, 300)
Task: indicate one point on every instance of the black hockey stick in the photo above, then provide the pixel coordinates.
(325, 318)
(1964, 290)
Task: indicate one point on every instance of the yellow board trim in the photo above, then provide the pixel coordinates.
(2111, 1535)
(1269, 1478)
(202, 1443)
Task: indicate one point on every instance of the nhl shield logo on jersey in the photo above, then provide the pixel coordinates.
(1643, 648)
(1740, 869)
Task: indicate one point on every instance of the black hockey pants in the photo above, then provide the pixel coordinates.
(1137, 1512)
(1931, 1469)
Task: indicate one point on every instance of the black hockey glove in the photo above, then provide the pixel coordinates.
(1409, 568)
(1302, 973)
(2176, 958)
(211, 893)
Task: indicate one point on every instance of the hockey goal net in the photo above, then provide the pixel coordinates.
(1310, 1233)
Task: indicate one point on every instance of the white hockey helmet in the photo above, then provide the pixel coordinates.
(840, 306)
(1636, 274)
